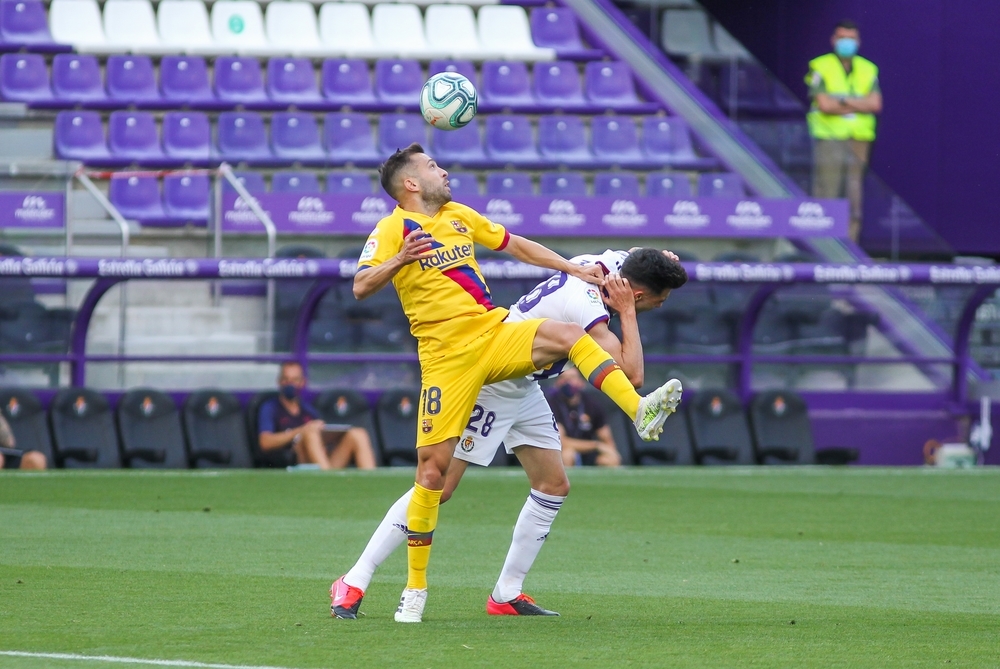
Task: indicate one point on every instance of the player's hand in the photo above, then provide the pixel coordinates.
(670, 254)
(618, 294)
(590, 273)
(416, 245)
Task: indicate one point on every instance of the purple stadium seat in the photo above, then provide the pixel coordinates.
(556, 28)
(557, 84)
(292, 81)
(77, 79)
(252, 181)
(242, 138)
(132, 80)
(463, 147)
(187, 137)
(505, 84)
(463, 184)
(398, 131)
(509, 139)
(295, 137)
(348, 183)
(563, 140)
(667, 140)
(348, 139)
(79, 135)
(23, 23)
(668, 184)
(132, 137)
(347, 82)
(616, 184)
(24, 78)
(509, 184)
(566, 184)
(184, 80)
(137, 198)
(239, 80)
(720, 184)
(294, 182)
(616, 140)
(186, 197)
(610, 84)
(398, 82)
(463, 67)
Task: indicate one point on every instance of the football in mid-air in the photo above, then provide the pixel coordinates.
(449, 101)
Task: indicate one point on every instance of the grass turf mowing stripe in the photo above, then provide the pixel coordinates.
(130, 660)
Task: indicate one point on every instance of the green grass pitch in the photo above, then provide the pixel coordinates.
(656, 567)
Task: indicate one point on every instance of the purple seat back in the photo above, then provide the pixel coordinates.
(132, 135)
(463, 184)
(294, 182)
(457, 146)
(291, 80)
(463, 67)
(77, 78)
(295, 135)
(187, 136)
(348, 183)
(239, 79)
(347, 81)
(555, 28)
(252, 181)
(398, 131)
(558, 83)
(509, 137)
(242, 136)
(509, 184)
(616, 138)
(185, 79)
(616, 184)
(610, 82)
(186, 196)
(131, 79)
(348, 137)
(136, 197)
(79, 135)
(720, 184)
(668, 184)
(563, 138)
(568, 184)
(506, 83)
(24, 77)
(24, 22)
(398, 81)
(666, 138)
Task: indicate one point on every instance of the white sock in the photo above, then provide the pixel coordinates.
(389, 534)
(530, 532)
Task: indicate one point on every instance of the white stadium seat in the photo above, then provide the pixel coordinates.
(452, 29)
(346, 28)
(78, 22)
(505, 29)
(238, 27)
(399, 30)
(184, 26)
(131, 25)
(291, 28)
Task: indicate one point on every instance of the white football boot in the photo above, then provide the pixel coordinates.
(655, 407)
(411, 606)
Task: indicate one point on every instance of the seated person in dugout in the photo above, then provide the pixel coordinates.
(287, 422)
(28, 460)
(584, 432)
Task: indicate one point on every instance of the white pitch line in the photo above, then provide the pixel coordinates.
(133, 660)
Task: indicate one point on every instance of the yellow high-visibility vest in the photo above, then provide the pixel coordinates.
(837, 82)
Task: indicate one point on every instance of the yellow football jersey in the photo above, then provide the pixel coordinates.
(445, 296)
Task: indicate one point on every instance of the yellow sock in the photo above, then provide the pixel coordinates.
(421, 519)
(604, 374)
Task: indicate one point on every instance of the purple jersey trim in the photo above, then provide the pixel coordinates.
(601, 319)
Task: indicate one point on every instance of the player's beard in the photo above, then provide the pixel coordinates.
(437, 198)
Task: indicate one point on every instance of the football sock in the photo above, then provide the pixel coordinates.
(389, 534)
(530, 532)
(603, 373)
(421, 519)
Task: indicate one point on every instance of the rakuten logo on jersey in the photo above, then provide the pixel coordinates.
(624, 214)
(562, 214)
(749, 216)
(443, 258)
(686, 214)
(811, 216)
(502, 212)
(310, 211)
(373, 209)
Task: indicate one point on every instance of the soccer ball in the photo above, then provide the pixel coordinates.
(448, 101)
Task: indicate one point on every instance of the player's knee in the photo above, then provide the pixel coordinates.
(570, 334)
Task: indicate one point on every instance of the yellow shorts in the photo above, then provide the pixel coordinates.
(451, 383)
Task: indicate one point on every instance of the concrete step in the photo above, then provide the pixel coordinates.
(171, 320)
(214, 344)
(236, 376)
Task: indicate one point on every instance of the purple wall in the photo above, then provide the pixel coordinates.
(939, 141)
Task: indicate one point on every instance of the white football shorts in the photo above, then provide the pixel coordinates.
(512, 413)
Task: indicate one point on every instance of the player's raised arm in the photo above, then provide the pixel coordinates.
(534, 253)
(628, 351)
(371, 279)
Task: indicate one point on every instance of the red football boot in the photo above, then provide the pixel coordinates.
(522, 605)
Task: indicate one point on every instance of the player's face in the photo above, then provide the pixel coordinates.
(647, 300)
(433, 180)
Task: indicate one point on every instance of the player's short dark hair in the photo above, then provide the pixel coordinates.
(393, 165)
(651, 269)
(846, 24)
(292, 363)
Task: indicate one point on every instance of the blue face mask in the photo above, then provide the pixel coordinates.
(846, 47)
(289, 392)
